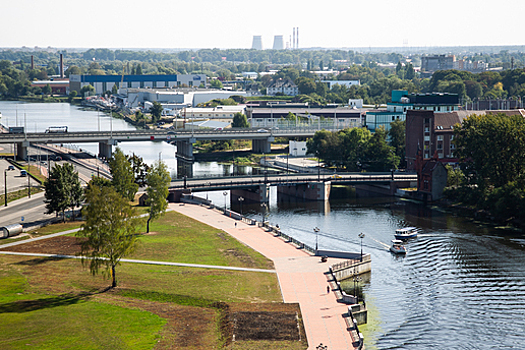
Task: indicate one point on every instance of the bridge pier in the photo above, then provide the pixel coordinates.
(105, 149)
(21, 150)
(262, 146)
(261, 194)
(185, 149)
(184, 168)
(313, 191)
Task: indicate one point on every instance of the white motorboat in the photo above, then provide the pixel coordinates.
(406, 233)
(398, 247)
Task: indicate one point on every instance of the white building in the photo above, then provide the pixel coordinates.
(285, 87)
(346, 83)
(297, 148)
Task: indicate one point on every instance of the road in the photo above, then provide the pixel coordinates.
(31, 209)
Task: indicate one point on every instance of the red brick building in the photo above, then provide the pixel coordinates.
(433, 133)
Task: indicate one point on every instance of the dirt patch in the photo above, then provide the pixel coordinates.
(263, 321)
(63, 245)
(152, 233)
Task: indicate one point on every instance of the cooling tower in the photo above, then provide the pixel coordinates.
(257, 42)
(278, 43)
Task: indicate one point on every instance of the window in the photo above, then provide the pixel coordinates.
(427, 120)
(426, 128)
(440, 155)
(129, 84)
(451, 137)
(426, 138)
(154, 84)
(440, 146)
(142, 84)
(166, 83)
(393, 118)
(440, 138)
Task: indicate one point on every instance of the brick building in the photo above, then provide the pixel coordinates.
(432, 133)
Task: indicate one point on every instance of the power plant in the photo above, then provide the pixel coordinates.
(278, 43)
(257, 42)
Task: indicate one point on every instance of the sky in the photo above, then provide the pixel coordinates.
(176, 24)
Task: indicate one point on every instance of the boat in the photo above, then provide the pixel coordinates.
(398, 247)
(406, 233)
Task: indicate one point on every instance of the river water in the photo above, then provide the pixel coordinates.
(461, 285)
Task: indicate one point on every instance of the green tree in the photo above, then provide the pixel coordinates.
(72, 96)
(46, 90)
(123, 178)
(156, 111)
(379, 155)
(306, 85)
(87, 90)
(216, 84)
(410, 73)
(62, 189)
(138, 69)
(110, 230)
(158, 180)
(354, 143)
(114, 89)
(140, 169)
(397, 139)
(240, 121)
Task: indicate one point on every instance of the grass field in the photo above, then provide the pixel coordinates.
(50, 303)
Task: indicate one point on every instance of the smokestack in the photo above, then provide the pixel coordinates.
(297, 46)
(32, 62)
(61, 66)
(257, 42)
(293, 42)
(278, 43)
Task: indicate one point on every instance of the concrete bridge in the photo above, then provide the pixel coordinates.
(303, 186)
(184, 139)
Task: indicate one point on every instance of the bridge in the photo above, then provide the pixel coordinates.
(184, 139)
(304, 186)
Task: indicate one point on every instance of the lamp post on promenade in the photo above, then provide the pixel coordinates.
(316, 230)
(241, 199)
(361, 235)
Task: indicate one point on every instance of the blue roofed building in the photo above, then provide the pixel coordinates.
(402, 101)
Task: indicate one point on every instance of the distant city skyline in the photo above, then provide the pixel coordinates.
(233, 23)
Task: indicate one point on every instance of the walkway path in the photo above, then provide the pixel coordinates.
(302, 278)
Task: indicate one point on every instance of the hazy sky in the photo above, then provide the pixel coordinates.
(233, 23)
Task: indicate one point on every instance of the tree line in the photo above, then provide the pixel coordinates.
(491, 173)
(357, 149)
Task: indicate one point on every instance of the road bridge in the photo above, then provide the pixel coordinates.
(305, 186)
(184, 139)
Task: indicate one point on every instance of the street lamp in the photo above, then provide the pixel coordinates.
(225, 194)
(241, 199)
(316, 230)
(361, 235)
(263, 206)
(5, 186)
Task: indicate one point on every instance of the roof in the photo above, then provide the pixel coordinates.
(446, 120)
(282, 83)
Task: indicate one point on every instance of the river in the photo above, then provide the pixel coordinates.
(461, 285)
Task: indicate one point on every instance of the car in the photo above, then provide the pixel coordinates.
(11, 167)
(335, 176)
(262, 130)
(23, 173)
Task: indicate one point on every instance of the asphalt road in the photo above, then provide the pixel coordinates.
(30, 209)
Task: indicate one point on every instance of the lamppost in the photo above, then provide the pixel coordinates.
(316, 230)
(5, 186)
(263, 206)
(225, 194)
(241, 199)
(361, 235)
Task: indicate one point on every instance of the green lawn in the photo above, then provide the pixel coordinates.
(177, 238)
(50, 303)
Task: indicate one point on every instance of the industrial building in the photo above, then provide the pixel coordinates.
(103, 83)
(278, 42)
(257, 42)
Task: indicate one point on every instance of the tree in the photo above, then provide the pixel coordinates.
(158, 180)
(46, 90)
(123, 179)
(72, 96)
(62, 189)
(140, 169)
(156, 111)
(240, 121)
(138, 69)
(397, 138)
(379, 155)
(114, 89)
(110, 230)
(216, 84)
(87, 90)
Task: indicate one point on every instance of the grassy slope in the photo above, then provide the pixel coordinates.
(53, 303)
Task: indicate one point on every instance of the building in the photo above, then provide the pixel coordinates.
(103, 83)
(274, 113)
(175, 99)
(347, 83)
(402, 102)
(437, 62)
(219, 112)
(432, 133)
(285, 87)
(431, 178)
(297, 148)
(58, 86)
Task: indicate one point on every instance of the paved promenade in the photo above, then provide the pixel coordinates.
(302, 277)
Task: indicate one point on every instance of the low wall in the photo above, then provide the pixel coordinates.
(348, 269)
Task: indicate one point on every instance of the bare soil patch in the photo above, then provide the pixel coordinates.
(63, 245)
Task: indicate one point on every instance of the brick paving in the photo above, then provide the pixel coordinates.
(302, 277)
